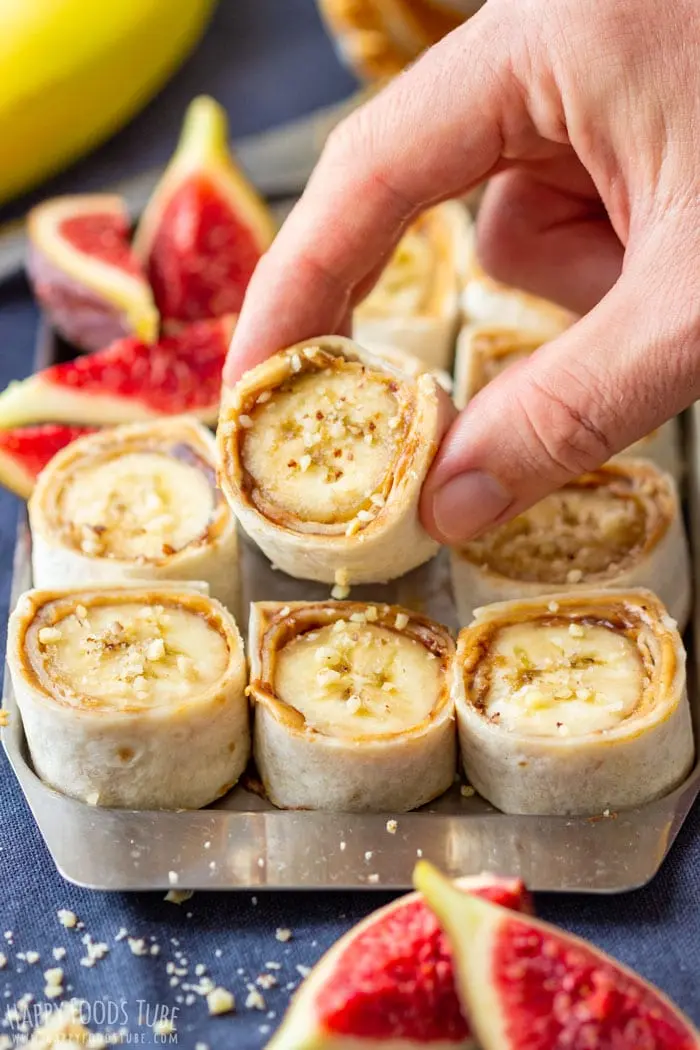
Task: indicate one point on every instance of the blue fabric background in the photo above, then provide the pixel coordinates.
(267, 60)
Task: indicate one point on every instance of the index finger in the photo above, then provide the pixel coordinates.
(431, 134)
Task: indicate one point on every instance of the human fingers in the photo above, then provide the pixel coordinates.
(630, 364)
(432, 133)
(544, 229)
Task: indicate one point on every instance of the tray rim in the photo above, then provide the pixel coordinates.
(256, 830)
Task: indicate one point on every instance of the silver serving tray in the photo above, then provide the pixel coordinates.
(242, 842)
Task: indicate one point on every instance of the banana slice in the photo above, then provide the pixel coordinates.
(485, 301)
(323, 452)
(131, 697)
(352, 706)
(414, 305)
(484, 351)
(136, 502)
(619, 526)
(573, 704)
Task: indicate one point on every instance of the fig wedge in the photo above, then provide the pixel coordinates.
(205, 227)
(389, 981)
(128, 381)
(527, 985)
(25, 452)
(85, 274)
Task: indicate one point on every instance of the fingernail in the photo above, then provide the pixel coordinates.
(467, 504)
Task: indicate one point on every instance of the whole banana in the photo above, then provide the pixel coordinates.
(73, 71)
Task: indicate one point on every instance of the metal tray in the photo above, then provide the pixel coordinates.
(242, 842)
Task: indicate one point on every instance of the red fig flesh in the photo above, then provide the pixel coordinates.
(530, 986)
(25, 452)
(85, 274)
(205, 228)
(128, 381)
(389, 980)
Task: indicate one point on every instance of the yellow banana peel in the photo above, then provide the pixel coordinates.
(73, 71)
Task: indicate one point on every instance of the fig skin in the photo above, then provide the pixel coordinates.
(85, 274)
(389, 980)
(84, 319)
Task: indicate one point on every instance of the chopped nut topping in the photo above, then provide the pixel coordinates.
(266, 981)
(178, 896)
(392, 826)
(354, 703)
(185, 666)
(245, 421)
(164, 1026)
(327, 675)
(49, 635)
(467, 791)
(155, 650)
(282, 934)
(254, 1000)
(220, 1001)
(67, 918)
(401, 621)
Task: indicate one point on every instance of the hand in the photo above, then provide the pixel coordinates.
(588, 116)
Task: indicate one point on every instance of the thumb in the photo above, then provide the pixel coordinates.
(620, 372)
